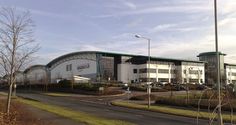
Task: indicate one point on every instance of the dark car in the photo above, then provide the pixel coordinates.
(202, 87)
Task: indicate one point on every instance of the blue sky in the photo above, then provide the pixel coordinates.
(177, 28)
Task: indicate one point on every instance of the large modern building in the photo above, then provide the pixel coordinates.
(97, 66)
(126, 68)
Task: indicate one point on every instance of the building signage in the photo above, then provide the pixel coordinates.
(83, 66)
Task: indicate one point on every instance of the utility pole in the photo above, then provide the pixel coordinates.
(149, 81)
(220, 121)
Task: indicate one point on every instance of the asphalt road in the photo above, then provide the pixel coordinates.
(108, 111)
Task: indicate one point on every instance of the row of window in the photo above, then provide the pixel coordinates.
(154, 79)
(233, 81)
(233, 73)
(145, 70)
(167, 80)
(193, 80)
(193, 71)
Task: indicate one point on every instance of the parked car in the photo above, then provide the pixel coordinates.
(180, 87)
(201, 87)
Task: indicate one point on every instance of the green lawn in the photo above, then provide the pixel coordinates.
(173, 111)
(74, 115)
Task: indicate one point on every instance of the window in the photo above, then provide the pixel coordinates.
(146, 79)
(163, 71)
(152, 70)
(142, 70)
(145, 70)
(163, 80)
(233, 74)
(193, 72)
(69, 67)
(185, 80)
(193, 80)
(135, 70)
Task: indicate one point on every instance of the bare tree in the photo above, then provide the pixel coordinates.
(16, 44)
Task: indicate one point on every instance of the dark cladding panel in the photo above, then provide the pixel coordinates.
(138, 60)
(117, 60)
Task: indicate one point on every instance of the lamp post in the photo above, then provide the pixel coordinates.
(148, 71)
(220, 122)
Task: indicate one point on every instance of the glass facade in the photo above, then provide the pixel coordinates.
(211, 66)
(165, 71)
(145, 70)
(163, 80)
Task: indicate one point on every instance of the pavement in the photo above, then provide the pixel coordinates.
(106, 110)
(50, 118)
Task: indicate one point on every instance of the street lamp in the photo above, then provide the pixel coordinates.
(220, 121)
(148, 71)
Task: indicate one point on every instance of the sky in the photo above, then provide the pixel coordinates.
(177, 28)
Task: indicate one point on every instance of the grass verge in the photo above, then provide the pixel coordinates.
(74, 115)
(173, 111)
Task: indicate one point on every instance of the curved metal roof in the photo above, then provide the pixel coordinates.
(34, 66)
(115, 54)
(68, 55)
(210, 53)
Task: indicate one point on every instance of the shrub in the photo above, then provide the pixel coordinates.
(193, 102)
(87, 87)
(144, 97)
(138, 88)
(65, 83)
(144, 88)
(108, 92)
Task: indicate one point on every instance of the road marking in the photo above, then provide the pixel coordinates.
(139, 115)
(102, 103)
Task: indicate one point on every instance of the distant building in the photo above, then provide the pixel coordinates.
(227, 71)
(1, 81)
(19, 78)
(36, 74)
(230, 73)
(211, 66)
(161, 70)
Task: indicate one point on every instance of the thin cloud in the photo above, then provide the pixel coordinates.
(178, 27)
(159, 9)
(162, 27)
(129, 4)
